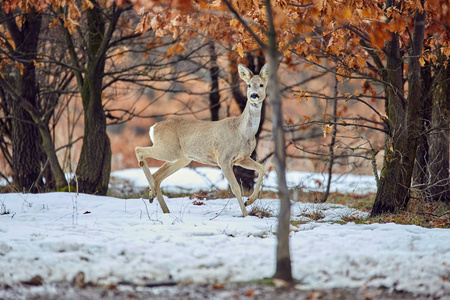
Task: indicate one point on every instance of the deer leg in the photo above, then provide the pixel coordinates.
(227, 170)
(250, 164)
(165, 171)
(140, 154)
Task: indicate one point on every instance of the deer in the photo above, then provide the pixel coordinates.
(225, 143)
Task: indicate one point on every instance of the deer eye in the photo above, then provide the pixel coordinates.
(261, 85)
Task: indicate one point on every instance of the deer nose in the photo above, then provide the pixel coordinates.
(254, 96)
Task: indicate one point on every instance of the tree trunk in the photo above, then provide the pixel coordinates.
(395, 180)
(94, 166)
(439, 181)
(214, 96)
(25, 135)
(283, 268)
(332, 142)
(420, 173)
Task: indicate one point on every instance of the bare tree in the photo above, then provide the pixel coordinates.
(24, 134)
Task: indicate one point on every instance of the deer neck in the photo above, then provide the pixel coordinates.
(250, 118)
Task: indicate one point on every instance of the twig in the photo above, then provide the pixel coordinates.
(221, 210)
(148, 214)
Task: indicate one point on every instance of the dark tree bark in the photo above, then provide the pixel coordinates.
(438, 139)
(26, 151)
(5, 132)
(214, 96)
(25, 97)
(94, 166)
(420, 173)
(395, 180)
(41, 122)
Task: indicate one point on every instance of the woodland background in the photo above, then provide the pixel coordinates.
(364, 86)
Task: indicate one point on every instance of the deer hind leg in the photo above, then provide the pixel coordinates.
(141, 155)
(250, 164)
(165, 171)
(227, 170)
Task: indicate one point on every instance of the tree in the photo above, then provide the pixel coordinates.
(439, 138)
(163, 21)
(24, 134)
(392, 194)
(283, 269)
(378, 43)
(94, 165)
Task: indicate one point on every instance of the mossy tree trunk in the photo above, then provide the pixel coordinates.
(403, 113)
(420, 173)
(439, 138)
(94, 166)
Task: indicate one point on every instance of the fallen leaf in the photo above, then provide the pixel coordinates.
(218, 286)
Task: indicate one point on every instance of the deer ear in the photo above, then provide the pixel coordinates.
(245, 73)
(264, 74)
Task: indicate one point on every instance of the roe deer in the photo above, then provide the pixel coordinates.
(224, 143)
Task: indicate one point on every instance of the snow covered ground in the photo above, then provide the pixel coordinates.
(192, 180)
(58, 235)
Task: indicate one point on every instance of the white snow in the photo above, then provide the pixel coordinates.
(205, 178)
(57, 235)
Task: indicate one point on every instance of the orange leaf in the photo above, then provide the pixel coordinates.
(347, 13)
(20, 66)
(175, 49)
(87, 4)
(144, 24)
(183, 5)
(240, 50)
(306, 118)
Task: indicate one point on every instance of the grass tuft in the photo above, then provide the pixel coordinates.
(261, 211)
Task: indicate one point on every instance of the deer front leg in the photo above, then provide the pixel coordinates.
(250, 164)
(141, 155)
(227, 170)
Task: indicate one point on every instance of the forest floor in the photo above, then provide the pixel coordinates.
(261, 291)
(419, 213)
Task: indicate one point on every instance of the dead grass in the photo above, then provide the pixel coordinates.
(261, 211)
(419, 212)
(315, 215)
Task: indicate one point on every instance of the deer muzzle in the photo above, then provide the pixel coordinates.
(254, 96)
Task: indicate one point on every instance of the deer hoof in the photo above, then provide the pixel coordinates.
(151, 200)
(245, 203)
(141, 163)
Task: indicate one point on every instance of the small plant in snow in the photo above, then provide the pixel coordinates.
(315, 213)
(355, 216)
(3, 209)
(261, 211)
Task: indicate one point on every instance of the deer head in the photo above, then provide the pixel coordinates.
(256, 85)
